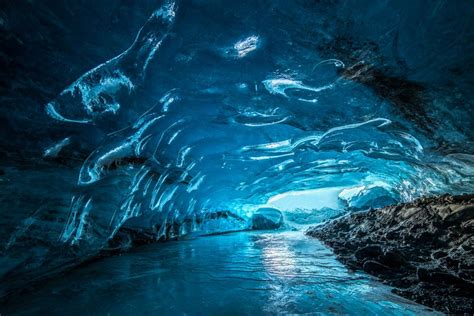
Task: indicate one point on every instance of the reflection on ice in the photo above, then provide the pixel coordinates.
(243, 273)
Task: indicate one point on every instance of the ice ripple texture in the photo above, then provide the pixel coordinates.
(195, 122)
(199, 153)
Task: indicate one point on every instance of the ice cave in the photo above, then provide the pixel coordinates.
(254, 157)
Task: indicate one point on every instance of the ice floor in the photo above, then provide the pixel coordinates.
(240, 273)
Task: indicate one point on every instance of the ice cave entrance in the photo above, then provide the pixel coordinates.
(309, 206)
(306, 207)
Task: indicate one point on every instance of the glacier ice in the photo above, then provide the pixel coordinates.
(98, 91)
(213, 112)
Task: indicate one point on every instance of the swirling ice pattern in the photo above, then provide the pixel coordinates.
(191, 155)
(95, 93)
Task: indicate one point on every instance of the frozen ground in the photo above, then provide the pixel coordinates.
(239, 273)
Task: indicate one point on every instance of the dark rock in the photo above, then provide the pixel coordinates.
(462, 213)
(443, 278)
(393, 259)
(267, 218)
(439, 254)
(372, 251)
(401, 283)
(425, 249)
(468, 225)
(375, 267)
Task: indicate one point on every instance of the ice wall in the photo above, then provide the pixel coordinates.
(207, 111)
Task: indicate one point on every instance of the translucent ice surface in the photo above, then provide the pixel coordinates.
(131, 122)
(240, 273)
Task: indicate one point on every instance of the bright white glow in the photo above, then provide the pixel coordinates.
(246, 46)
(309, 199)
(349, 193)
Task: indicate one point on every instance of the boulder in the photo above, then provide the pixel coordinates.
(267, 218)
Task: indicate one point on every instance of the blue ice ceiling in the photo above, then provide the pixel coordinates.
(189, 116)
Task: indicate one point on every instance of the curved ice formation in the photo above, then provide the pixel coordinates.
(302, 92)
(54, 150)
(243, 47)
(281, 85)
(178, 168)
(98, 91)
